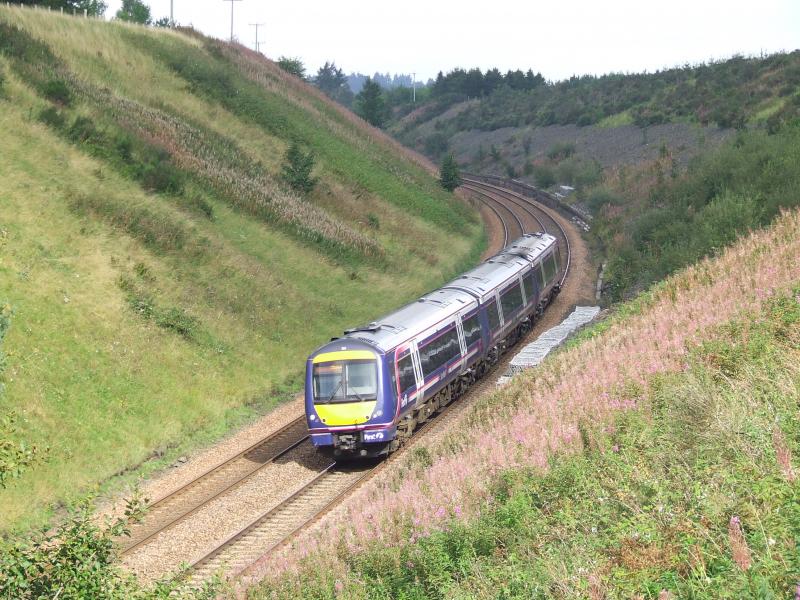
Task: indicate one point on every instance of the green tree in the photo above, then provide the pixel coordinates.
(333, 82)
(294, 66)
(370, 104)
(297, 169)
(134, 11)
(449, 175)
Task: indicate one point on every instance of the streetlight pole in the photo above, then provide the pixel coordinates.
(414, 86)
(257, 25)
(171, 14)
(231, 1)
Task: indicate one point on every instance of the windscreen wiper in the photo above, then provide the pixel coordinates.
(338, 387)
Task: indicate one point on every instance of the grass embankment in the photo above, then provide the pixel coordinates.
(164, 283)
(650, 458)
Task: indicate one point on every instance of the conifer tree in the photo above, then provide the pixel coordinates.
(370, 104)
(297, 169)
(449, 175)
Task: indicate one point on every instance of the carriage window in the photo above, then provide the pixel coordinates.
(472, 330)
(406, 370)
(528, 283)
(537, 272)
(511, 300)
(439, 352)
(493, 316)
(550, 268)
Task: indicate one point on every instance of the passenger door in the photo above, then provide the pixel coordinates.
(418, 373)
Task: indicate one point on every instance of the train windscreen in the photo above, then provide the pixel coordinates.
(345, 381)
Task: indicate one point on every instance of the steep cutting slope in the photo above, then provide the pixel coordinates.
(161, 275)
(651, 457)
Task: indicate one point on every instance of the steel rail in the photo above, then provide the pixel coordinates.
(515, 197)
(207, 475)
(492, 203)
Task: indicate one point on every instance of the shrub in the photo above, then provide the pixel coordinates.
(56, 90)
(52, 117)
(179, 321)
(78, 559)
(82, 130)
(158, 174)
(544, 176)
(561, 151)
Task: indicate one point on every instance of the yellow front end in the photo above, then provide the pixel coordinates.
(345, 387)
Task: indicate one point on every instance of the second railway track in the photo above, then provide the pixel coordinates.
(168, 511)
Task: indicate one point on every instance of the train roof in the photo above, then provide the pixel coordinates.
(461, 294)
(530, 246)
(395, 328)
(488, 276)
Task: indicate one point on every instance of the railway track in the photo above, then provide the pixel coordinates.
(540, 214)
(236, 555)
(280, 522)
(173, 508)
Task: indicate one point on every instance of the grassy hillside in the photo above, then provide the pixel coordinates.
(164, 282)
(729, 94)
(654, 457)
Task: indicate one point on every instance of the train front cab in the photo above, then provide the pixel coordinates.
(349, 401)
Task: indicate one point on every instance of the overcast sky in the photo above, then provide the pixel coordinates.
(559, 38)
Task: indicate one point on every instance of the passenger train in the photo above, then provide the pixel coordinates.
(367, 391)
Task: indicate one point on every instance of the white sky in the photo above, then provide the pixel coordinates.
(559, 38)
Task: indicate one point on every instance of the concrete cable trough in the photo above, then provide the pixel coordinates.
(534, 353)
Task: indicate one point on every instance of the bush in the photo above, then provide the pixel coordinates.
(177, 320)
(79, 560)
(56, 90)
(544, 176)
(561, 151)
(52, 117)
(159, 175)
(82, 130)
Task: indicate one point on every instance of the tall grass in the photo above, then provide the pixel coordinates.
(560, 407)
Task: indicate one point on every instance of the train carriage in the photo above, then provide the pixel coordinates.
(368, 390)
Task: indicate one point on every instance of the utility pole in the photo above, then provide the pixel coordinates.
(171, 14)
(231, 1)
(414, 86)
(257, 25)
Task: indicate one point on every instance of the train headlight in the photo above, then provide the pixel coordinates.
(312, 417)
(378, 413)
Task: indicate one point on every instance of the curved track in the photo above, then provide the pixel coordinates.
(306, 502)
(536, 213)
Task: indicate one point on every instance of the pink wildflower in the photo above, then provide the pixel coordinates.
(741, 553)
(615, 448)
(457, 511)
(339, 586)
(440, 513)
(783, 454)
